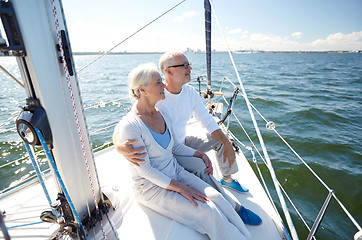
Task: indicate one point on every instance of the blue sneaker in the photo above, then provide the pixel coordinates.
(235, 185)
(249, 217)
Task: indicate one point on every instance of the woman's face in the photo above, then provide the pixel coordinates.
(156, 88)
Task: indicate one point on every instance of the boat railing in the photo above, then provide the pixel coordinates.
(272, 127)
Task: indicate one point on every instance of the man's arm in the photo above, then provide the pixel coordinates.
(202, 115)
(125, 148)
(229, 152)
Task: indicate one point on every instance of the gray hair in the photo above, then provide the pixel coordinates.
(140, 76)
(166, 59)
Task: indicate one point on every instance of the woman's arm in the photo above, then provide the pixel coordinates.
(128, 129)
(131, 131)
(189, 193)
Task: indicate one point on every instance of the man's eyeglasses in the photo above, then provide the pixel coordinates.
(186, 65)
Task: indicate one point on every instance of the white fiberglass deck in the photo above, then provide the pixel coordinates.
(132, 220)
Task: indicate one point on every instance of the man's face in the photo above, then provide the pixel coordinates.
(181, 69)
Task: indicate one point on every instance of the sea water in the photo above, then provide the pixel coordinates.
(315, 100)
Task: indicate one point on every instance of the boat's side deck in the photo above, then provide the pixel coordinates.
(22, 211)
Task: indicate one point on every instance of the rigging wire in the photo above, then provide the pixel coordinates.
(107, 52)
(297, 155)
(11, 76)
(102, 104)
(8, 121)
(261, 175)
(98, 130)
(281, 199)
(20, 182)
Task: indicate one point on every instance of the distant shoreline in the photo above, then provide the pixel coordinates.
(213, 52)
(216, 52)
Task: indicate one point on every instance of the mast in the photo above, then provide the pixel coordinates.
(207, 8)
(46, 64)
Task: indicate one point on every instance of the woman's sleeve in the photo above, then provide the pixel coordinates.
(130, 131)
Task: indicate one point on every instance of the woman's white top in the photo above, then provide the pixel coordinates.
(159, 166)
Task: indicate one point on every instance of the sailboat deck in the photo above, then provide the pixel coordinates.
(132, 220)
(22, 208)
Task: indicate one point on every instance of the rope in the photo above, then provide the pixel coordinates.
(39, 173)
(264, 183)
(3, 227)
(75, 115)
(320, 180)
(130, 36)
(295, 208)
(19, 159)
(15, 187)
(60, 181)
(102, 146)
(25, 224)
(262, 178)
(346, 211)
(105, 103)
(98, 130)
(300, 158)
(11, 76)
(8, 120)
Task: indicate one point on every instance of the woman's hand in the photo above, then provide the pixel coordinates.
(188, 192)
(209, 170)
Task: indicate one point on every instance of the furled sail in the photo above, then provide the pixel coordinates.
(207, 8)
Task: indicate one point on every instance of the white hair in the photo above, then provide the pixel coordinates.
(140, 76)
(167, 59)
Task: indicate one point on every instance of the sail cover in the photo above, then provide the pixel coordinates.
(207, 8)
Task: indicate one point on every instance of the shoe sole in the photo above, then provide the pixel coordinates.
(233, 189)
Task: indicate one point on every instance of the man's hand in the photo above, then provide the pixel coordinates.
(229, 153)
(125, 148)
(209, 170)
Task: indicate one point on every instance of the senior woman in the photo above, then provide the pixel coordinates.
(160, 183)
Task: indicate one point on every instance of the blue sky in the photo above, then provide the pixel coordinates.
(247, 24)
